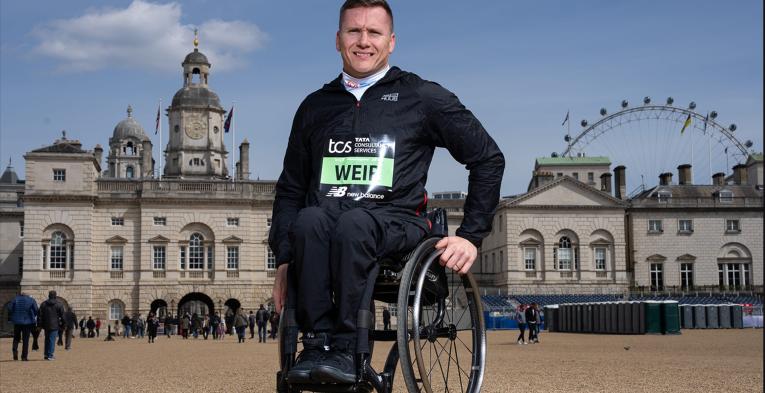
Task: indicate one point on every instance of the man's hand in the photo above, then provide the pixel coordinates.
(279, 292)
(459, 253)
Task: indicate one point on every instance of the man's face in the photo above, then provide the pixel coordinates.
(365, 40)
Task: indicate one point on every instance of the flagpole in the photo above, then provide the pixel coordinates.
(568, 123)
(160, 139)
(233, 144)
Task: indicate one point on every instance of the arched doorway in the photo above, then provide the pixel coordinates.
(159, 308)
(195, 302)
(232, 306)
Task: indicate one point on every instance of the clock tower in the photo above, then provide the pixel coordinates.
(195, 149)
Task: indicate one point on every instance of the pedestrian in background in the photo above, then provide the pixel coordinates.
(140, 326)
(261, 319)
(240, 324)
(91, 325)
(22, 312)
(386, 318)
(274, 319)
(82, 327)
(70, 324)
(98, 327)
(50, 320)
(126, 324)
(221, 328)
(152, 324)
(520, 318)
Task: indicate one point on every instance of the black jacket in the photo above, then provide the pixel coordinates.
(51, 314)
(70, 320)
(343, 153)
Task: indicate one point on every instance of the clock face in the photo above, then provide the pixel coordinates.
(195, 128)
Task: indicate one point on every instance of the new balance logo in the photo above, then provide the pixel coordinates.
(390, 97)
(337, 192)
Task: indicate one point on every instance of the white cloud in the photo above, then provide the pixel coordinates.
(144, 35)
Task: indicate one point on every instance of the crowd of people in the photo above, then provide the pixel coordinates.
(59, 323)
(528, 318)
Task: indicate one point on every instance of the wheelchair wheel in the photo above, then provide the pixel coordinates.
(441, 332)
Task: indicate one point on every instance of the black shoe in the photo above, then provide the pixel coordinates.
(338, 366)
(15, 356)
(314, 349)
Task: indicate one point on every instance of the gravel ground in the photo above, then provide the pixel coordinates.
(696, 361)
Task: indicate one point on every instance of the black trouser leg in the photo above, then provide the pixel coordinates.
(310, 235)
(21, 334)
(360, 238)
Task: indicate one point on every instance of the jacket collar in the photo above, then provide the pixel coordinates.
(337, 83)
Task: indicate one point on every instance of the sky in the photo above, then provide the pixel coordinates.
(520, 66)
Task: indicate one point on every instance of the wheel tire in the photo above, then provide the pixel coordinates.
(445, 316)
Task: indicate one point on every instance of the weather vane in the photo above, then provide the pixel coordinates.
(196, 38)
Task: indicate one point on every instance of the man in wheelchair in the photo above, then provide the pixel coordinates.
(352, 189)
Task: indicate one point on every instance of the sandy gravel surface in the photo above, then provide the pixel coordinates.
(696, 361)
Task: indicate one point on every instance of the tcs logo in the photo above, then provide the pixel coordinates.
(339, 147)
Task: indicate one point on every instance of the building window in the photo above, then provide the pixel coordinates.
(21, 267)
(268, 223)
(21, 228)
(575, 175)
(161, 221)
(58, 251)
(734, 275)
(530, 258)
(232, 257)
(232, 221)
(59, 175)
(685, 226)
(731, 226)
(664, 196)
(726, 196)
(559, 175)
(129, 172)
(182, 259)
(591, 177)
(686, 276)
(501, 261)
(210, 256)
(115, 311)
(493, 262)
(270, 260)
(600, 258)
(117, 258)
(196, 252)
(657, 277)
(565, 253)
(500, 225)
(176, 128)
(118, 221)
(159, 257)
(654, 226)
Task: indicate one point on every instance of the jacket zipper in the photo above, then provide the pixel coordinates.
(356, 115)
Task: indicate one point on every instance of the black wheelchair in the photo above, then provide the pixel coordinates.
(440, 340)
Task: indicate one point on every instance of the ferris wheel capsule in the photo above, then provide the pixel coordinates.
(713, 115)
(646, 100)
(732, 127)
(625, 103)
(584, 123)
(670, 100)
(692, 105)
(603, 111)
(748, 144)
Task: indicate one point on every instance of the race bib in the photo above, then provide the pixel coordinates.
(358, 167)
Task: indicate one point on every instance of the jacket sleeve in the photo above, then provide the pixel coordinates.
(449, 124)
(291, 188)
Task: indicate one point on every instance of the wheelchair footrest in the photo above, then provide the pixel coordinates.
(334, 388)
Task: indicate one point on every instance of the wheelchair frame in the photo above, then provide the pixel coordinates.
(426, 286)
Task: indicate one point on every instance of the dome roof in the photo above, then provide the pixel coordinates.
(129, 128)
(196, 95)
(196, 57)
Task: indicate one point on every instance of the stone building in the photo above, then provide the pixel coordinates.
(119, 240)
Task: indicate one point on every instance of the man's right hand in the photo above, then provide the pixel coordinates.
(279, 292)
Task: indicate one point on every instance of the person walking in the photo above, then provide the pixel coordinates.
(185, 326)
(117, 328)
(206, 326)
(196, 323)
(214, 322)
(261, 318)
(152, 324)
(91, 325)
(240, 324)
(61, 329)
(274, 319)
(140, 326)
(22, 312)
(538, 325)
(520, 318)
(168, 325)
(221, 328)
(82, 327)
(126, 325)
(251, 324)
(531, 320)
(386, 318)
(98, 327)
(70, 324)
(50, 320)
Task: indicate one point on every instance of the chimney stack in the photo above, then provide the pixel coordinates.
(740, 175)
(684, 175)
(718, 179)
(665, 179)
(238, 170)
(147, 162)
(244, 159)
(605, 182)
(620, 182)
(98, 152)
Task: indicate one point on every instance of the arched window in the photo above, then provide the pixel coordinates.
(116, 310)
(565, 254)
(129, 149)
(196, 252)
(129, 172)
(58, 251)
